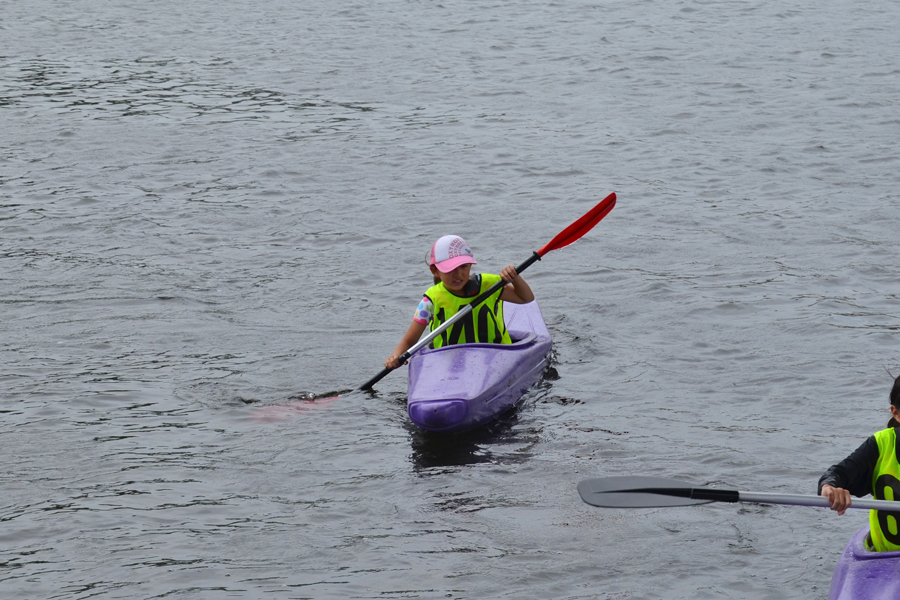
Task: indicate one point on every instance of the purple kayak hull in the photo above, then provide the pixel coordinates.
(459, 387)
(864, 575)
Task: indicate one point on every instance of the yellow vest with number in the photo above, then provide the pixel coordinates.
(884, 527)
(484, 324)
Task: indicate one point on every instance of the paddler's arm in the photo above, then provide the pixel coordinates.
(411, 336)
(517, 291)
(853, 475)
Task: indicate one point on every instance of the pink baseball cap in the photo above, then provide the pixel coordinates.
(450, 252)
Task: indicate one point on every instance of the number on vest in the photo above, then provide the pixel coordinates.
(889, 521)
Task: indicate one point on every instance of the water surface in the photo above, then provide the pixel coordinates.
(211, 209)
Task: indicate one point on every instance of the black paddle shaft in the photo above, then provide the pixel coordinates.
(458, 316)
(692, 493)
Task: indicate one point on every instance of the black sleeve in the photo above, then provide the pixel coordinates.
(854, 473)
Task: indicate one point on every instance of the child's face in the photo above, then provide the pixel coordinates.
(456, 279)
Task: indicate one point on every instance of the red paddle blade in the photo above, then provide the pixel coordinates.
(580, 227)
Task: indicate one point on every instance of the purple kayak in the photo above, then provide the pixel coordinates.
(459, 387)
(864, 575)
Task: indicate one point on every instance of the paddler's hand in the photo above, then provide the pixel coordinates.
(508, 274)
(838, 497)
(517, 291)
(393, 361)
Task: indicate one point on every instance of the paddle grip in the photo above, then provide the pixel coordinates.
(368, 385)
(497, 286)
(531, 260)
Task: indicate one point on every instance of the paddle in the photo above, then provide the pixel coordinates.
(568, 235)
(656, 492)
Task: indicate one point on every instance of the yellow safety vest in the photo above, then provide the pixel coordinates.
(884, 527)
(484, 324)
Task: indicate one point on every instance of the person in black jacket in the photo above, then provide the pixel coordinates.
(873, 468)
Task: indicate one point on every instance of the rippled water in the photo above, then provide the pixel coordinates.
(212, 209)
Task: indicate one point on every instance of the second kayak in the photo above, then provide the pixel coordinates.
(864, 575)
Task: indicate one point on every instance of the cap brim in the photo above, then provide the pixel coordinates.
(452, 263)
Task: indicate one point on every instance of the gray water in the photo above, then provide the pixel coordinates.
(210, 210)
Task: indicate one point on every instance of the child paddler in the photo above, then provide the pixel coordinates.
(450, 261)
(873, 468)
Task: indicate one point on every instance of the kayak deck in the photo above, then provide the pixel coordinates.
(864, 575)
(459, 387)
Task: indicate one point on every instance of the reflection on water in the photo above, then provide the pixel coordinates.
(508, 439)
(296, 406)
(434, 449)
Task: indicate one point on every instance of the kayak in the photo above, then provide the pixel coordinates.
(458, 387)
(864, 575)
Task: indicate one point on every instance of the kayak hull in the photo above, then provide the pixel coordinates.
(459, 387)
(864, 575)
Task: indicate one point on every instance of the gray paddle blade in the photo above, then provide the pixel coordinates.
(623, 492)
